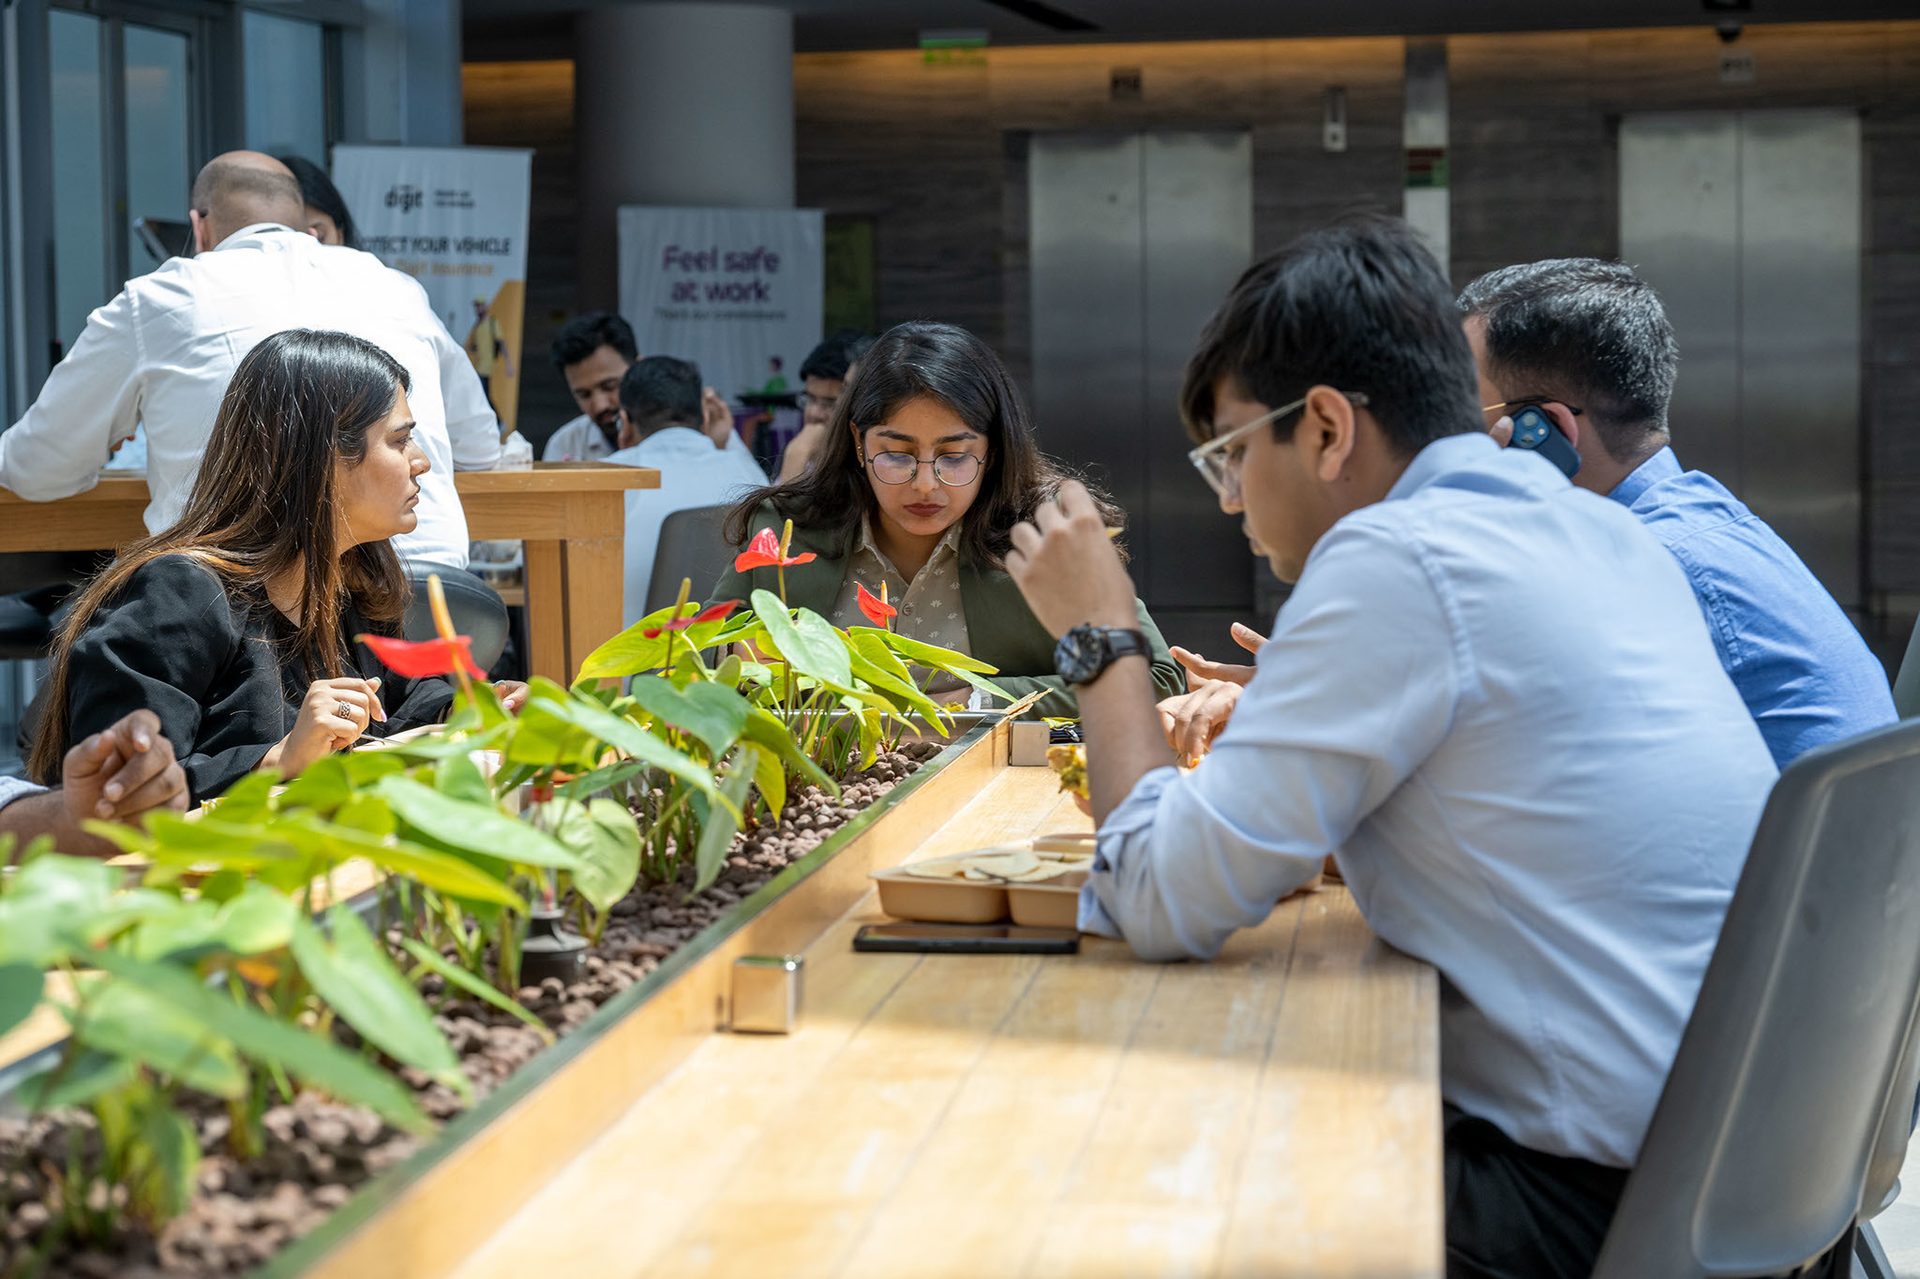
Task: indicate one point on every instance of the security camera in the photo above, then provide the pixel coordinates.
(1729, 30)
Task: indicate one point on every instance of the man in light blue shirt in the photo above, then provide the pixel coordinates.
(662, 413)
(1491, 697)
(1588, 342)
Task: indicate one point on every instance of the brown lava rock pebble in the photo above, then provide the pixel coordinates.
(319, 1152)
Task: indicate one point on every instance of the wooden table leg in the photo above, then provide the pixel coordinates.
(547, 612)
(595, 592)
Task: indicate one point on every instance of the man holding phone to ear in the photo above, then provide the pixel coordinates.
(1577, 355)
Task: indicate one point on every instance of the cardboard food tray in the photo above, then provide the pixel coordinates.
(1047, 902)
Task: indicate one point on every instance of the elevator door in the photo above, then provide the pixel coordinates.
(1749, 225)
(1135, 240)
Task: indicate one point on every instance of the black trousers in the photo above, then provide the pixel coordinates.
(1514, 1213)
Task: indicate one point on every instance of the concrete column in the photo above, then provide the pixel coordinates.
(1428, 204)
(685, 104)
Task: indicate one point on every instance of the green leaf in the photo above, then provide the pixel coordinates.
(471, 827)
(771, 778)
(368, 814)
(711, 712)
(444, 872)
(719, 827)
(906, 695)
(222, 885)
(171, 1147)
(460, 777)
(246, 800)
(352, 973)
(323, 786)
(457, 976)
(587, 785)
(630, 652)
(606, 839)
(303, 1053)
(135, 1023)
(765, 730)
(924, 654)
(20, 987)
(79, 1081)
(630, 739)
(44, 899)
(805, 639)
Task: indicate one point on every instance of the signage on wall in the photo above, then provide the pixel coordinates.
(740, 292)
(455, 219)
(1426, 168)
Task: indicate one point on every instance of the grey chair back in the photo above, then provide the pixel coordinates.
(477, 610)
(1906, 684)
(1785, 1118)
(690, 547)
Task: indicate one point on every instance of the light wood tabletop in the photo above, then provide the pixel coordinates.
(1275, 1113)
(571, 515)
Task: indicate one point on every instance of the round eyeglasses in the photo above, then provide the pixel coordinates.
(955, 470)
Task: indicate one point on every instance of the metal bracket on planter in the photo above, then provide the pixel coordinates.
(766, 994)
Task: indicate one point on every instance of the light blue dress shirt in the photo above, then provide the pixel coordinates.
(692, 473)
(1492, 698)
(1801, 667)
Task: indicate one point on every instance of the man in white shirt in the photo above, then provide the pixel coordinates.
(160, 356)
(592, 352)
(1491, 698)
(662, 426)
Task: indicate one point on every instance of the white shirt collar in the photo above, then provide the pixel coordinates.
(255, 230)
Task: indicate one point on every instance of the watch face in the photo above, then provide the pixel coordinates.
(1080, 654)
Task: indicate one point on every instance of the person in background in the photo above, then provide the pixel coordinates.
(1490, 696)
(160, 355)
(117, 774)
(663, 426)
(1589, 344)
(237, 625)
(592, 352)
(487, 347)
(823, 378)
(927, 465)
(328, 220)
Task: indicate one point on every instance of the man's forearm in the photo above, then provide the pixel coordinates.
(32, 816)
(1119, 719)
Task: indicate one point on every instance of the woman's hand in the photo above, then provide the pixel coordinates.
(512, 694)
(332, 717)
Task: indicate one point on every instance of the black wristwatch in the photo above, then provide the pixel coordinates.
(1087, 650)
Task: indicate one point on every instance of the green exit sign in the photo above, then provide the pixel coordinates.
(961, 47)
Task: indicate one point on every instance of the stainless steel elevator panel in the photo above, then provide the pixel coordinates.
(1135, 241)
(1749, 225)
(1089, 344)
(1199, 237)
(1800, 243)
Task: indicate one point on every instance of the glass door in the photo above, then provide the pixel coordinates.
(125, 144)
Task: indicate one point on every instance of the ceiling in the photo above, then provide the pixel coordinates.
(878, 24)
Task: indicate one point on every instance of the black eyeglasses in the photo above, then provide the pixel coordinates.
(955, 470)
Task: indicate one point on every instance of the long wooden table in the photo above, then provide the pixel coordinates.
(1273, 1113)
(571, 515)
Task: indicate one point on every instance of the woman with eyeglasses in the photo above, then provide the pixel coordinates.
(927, 465)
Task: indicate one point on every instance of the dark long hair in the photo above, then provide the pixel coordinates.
(263, 502)
(946, 363)
(317, 191)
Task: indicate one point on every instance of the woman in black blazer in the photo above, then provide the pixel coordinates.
(236, 626)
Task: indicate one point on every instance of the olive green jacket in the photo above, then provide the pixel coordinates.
(1001, 630)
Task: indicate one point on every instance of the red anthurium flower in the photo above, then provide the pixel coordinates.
(876, 608)
(425, 658)
(765, 551)
(713, 614)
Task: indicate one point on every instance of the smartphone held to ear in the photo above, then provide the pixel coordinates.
(1534, 429)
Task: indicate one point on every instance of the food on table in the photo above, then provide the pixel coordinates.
(1070, 761)
(1006, 864)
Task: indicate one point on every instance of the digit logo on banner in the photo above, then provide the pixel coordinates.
(405, 198)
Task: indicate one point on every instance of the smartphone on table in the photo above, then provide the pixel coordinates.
(966, 939)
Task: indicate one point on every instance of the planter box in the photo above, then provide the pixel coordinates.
(420, 1220)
